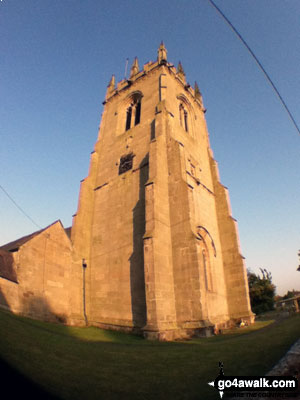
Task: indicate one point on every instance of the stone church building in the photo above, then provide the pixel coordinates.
(153, 246)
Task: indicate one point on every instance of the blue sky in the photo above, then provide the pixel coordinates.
(57, 57)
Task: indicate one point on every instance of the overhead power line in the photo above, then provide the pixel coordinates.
(20, 208)
(258, 63)
(27, 216)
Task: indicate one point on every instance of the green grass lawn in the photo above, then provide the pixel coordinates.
(90, 363)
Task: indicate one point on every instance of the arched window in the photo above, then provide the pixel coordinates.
(183, 116)
(128, 117)
(137, 112)
(207, 272)
(207, 253)
(186, 120)
(133, 112)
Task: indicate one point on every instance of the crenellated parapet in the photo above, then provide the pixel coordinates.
(161, 62)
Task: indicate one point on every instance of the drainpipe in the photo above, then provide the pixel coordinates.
(84, 266)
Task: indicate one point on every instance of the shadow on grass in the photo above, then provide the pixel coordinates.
(17, 385)
(4, 304)
(89, 363)
(13, 380)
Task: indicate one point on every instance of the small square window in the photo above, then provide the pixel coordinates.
(125, 163)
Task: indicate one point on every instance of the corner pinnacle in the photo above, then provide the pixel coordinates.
(135, 67)
(112, 83)
(162, 54)
(198, 94)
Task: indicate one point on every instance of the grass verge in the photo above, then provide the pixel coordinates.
(90, 363)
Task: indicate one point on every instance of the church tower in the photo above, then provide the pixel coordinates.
(154, 227)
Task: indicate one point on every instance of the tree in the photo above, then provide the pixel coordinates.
(262, 291)
(290, 293)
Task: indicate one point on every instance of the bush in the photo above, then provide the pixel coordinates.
(262, 291)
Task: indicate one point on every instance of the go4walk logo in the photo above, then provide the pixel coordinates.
(274, 384)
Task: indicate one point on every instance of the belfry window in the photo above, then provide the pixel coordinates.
(137, 113)
(128, 118)
(186, 120)
(133, 113)
(125, 163)
(183, 116)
